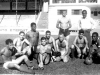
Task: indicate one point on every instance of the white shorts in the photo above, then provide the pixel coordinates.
(5, 65)
(64, 57)
(62, 52)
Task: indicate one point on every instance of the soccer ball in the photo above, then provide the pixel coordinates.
(88, 61)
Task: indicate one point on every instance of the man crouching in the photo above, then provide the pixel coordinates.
(62, 49)
(95, 46)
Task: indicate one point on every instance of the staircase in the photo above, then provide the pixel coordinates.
(43, 21)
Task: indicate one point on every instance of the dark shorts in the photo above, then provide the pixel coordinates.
(66, 32)
(34, 54)
(57, 54)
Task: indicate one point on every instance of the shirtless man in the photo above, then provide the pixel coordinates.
(80, 45)
(44, 51)
(63, 24)
(10, 62)
(50, 40)
(33, 37)
(18, 43)
(62, 47)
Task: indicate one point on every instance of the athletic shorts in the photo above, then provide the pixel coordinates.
(66, 32)
(5, 65)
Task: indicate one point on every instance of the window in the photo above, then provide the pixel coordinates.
(60, 12)
(76, 11)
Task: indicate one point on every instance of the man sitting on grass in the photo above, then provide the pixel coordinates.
(10, 62)
(80, 45)
(20, 44)
(44, 51)
(62, 49)
(95, 46)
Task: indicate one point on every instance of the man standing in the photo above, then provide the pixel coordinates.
(63, 24)
(87, 24)
(33, 37)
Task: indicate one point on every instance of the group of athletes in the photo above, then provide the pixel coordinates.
(28, 47)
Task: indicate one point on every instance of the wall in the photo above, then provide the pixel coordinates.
(53, 16)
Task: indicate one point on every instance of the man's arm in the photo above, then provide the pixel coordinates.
(57, 45)
(69, 24)
(98, 44)
(86, 46)
(15, 41)
(2, 51)
(66, 50)
(27, 36)
(75, 42)
(80, 25)
(57, 25)
(93, 23)
(54, 44)
(38, 38)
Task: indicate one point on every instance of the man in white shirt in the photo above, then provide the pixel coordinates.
(63, 24)
(87, 24)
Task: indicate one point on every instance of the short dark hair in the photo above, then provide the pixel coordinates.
(81, 31)
(84, 10)
(33, 23)
(8, 41)
(48, 31)
(43, 38)
(95, 33)
(21, 32)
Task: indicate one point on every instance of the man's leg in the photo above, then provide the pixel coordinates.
(27, 50)
(47, 58)
(40, 60)
(25, 59)
(79, 53)
(67, 34)
(20, 68)
(88, 36)
(72, 51)
(64, 56)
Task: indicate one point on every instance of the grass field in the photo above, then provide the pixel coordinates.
(75, 67)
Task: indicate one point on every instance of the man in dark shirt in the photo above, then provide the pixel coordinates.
(95, 46)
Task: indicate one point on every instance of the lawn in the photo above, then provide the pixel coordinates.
(75, 67)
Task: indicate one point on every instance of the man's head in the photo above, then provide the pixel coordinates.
(43, 41)
(21, 35)
(95, 36)
(48, 34)
(84, 13)
(9, 43)
(33, 26)
(61, 37)
(81, 33)
(64, 13)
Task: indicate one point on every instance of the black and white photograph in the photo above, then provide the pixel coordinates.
(49, 37)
